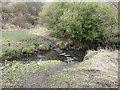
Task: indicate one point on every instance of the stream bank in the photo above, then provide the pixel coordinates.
(99, 69)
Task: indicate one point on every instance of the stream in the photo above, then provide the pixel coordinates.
(56, 54)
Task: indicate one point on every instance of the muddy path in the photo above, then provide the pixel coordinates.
(41, 79)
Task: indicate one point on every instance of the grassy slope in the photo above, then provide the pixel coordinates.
(99, 69)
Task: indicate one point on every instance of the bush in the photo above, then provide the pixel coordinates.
(14, 52)
(81, 21)
(43, 47)
(28, 50)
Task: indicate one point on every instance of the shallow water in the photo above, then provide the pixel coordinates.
(56, 54)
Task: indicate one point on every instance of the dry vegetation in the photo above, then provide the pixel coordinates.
(98, 70)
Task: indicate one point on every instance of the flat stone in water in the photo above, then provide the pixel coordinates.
(69, 58)
(67, 55)
(40, 56)
(63, 54)
(56, 49)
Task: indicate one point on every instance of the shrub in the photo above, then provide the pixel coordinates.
(81, 21)
(28, 50)
(43, 47)
(12, 52)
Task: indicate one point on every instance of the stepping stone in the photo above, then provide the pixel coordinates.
(67, 55)
(70, 59)
(62, 53)
(56, 49)
(2, 68)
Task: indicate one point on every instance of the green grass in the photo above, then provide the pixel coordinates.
(15, 35)
(15, 43)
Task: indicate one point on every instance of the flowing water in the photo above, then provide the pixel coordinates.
(56, 54)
